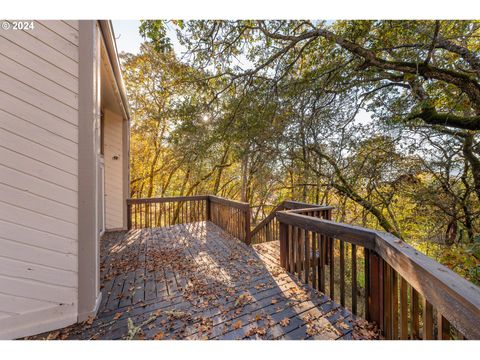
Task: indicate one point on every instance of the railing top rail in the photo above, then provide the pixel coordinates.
(312, 208)
(456, 298)
(167, 199)
(229, 202)
(291, 205)
(353, 234)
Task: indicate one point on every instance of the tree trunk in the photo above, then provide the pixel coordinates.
(244, 171)
(151, 175)
(305, 168)
(472, 160)
(345, 188)
(220, 171)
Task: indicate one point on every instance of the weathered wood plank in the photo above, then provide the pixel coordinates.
(331, 256)
(443, 327)
(354, 279)
(352, 234)
(427, 320)
(414, 301)
(212, 282)
(449, 293)
(342, 272)
(403, 309)
(166, 199)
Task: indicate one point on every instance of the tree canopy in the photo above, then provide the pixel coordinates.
(378, 118)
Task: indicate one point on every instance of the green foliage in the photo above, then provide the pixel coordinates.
(264, 111)
(156, 31)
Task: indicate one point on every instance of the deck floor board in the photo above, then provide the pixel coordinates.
(194, 281)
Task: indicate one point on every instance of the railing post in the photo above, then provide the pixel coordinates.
(375, 290)
(283, 245)
(329, 214)
(129, 216)
(329, 241)
(208, 210)
(248, 231)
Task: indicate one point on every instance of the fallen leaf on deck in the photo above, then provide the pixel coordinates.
(364, 330)
(159, 336)
(242, 299)
(285, 322)
(118, 315)
(256, 330)
(237, 325)
(176, 314)
(311, 330)
(53, 335)
(261, 331)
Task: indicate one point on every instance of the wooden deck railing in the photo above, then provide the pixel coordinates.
(376, 275)
(269, 229)
(167, 211)
(380, 278)
(230, 215)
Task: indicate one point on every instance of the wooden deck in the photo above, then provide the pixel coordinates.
(194, 281)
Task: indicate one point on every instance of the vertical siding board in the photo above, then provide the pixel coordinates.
(113, 127)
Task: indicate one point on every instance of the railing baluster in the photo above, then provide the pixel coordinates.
(183, 217)
(443, 328)
(306, 270)
(283, 245)
(136, 210)
(314, 260)
(388, 301)
(394, 304)
(164, 211)
(291, 249)
(354, 279)
(415, 314)
(321, 264)
(167, 214)
(403, 309)
(366, 265)
(331, 246)
(129, 216)
(298, 254)
(147, 215)
(342, 273)
(427, 320)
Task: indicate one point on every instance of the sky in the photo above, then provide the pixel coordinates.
(128, 37)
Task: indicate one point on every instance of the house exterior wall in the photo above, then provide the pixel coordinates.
(90, 200)
(113, 153)
(39, 118)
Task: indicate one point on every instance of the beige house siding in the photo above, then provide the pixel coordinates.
(113, 127)
(38, 178)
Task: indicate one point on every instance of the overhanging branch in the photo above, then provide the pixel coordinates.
(430, 116)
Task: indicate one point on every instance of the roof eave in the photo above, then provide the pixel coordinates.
(111, 45)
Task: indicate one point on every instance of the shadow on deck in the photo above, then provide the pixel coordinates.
(195, 281)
